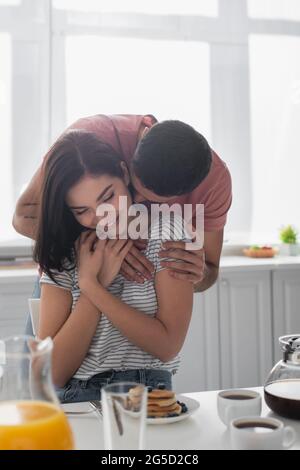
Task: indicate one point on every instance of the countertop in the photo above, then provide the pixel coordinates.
(227, 263)
(202, 430)
(277, 262)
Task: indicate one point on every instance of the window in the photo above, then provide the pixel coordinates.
(229, 68)
(6, 177)
(275, 124)
(124, 75)
(24, 100)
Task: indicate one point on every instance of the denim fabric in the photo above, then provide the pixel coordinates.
(35, 295)
(84, 390)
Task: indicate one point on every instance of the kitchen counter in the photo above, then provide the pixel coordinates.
(227, 263)
(202, 430)
(278, 262)
(17, 272)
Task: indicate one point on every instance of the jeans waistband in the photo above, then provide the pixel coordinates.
(131, 375)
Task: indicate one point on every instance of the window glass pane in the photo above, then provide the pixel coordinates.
(275, 124)
(163, 7)
(6, 177)
(274, 9)
(130, 76)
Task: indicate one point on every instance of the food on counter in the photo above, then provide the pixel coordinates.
(161, 403)
(256, 251)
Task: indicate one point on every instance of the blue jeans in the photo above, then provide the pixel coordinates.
(84, 390)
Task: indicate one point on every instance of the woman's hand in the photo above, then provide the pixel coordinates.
(90, 257)
(100, 260)
(114, 253)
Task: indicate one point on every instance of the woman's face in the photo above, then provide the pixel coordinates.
(92, 191)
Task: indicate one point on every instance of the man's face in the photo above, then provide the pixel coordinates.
(142, 194)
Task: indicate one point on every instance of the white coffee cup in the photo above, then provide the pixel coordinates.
(257, 433)
(236, 403)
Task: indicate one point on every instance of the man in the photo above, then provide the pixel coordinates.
(169, 162)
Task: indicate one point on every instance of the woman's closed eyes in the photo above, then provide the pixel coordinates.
(106, 198)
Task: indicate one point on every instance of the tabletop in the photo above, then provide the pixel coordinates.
(202, 430)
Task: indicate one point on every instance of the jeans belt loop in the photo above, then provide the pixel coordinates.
(83, 383)
(112, 375)
(142, 376)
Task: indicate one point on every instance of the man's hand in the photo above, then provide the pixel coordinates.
(136, 267)
(188, 265)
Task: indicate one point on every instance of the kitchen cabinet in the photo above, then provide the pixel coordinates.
(245, 328)
(233, 338)
(16, 287)
(286, 305)
(200, 365)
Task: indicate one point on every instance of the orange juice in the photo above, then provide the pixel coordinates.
(33, 425)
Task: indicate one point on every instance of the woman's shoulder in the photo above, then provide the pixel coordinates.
(168, 226)
(162, 229)
(65, 278)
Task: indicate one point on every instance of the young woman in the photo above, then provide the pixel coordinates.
(105, 328)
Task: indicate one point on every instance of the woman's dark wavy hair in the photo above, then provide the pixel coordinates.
(75, 154)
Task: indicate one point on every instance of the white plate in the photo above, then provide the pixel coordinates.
(84, 408)
(79, 408)
(192, 406)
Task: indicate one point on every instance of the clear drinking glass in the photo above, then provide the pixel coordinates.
(124, 407)
(30, 414)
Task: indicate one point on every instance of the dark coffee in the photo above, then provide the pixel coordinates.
(256, 426)
(283, 397)
(238, 397)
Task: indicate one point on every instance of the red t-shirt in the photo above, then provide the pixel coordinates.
(121, 131)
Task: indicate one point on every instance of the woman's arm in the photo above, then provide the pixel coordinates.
(161, 336)
(71, 334)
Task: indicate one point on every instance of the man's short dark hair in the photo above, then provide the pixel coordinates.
(172, 158)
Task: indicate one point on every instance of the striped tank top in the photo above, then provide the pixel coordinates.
(109, 349)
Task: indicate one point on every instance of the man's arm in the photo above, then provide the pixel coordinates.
(213, 242)
(25, 218)
(201, 267)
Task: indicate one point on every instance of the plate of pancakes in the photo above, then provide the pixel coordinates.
(165, 407)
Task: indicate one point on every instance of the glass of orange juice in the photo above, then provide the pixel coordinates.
(30, 414)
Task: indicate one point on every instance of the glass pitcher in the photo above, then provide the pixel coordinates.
(30, 414)
(282, 388)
